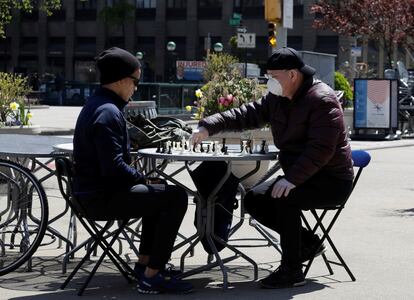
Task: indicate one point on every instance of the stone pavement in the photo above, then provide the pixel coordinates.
(375, 235)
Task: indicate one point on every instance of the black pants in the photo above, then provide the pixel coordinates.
(283, 214)
(162, 208)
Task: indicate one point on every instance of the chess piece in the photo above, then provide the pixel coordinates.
(244, 148)
(224, 149)
(224, 145)
(216, 148)
(208, 148)
(169, 150)
(201, 148)
(213, 147)
(263, 150)
(194, 148)
(158, 148)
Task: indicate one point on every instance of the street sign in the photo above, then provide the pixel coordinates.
(234, 22)
(246, 40)
(242, 29)
(237, 16)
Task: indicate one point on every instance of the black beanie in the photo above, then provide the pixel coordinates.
(115, 64)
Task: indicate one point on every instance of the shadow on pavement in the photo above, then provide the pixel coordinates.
(109, 284)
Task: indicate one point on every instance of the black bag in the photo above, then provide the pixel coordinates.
(145, 133)
(226, 200)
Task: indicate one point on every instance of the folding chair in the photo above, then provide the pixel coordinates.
(64, 170)
(361, 159)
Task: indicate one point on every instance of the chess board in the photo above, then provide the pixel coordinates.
(208, 151)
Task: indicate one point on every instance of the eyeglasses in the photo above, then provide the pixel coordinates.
(268, 76)
(135, 79)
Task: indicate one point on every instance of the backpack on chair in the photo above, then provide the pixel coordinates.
(225, 202)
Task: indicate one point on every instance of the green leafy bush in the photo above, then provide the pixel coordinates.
(342, 84)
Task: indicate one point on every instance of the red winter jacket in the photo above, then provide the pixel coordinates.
(308, 130)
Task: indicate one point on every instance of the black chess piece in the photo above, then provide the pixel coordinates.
(185, 146)
(213, 147)
(201, 148)
(158, 148)
(208, 149)
(170, 150)
(225, 150)
(249, 146)
(262, 150)
(224, 145)
(194, 148)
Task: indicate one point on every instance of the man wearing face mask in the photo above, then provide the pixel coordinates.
(307, 125)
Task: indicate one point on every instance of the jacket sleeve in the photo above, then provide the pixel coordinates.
(108, 135)
(248, 116)
(325, 125)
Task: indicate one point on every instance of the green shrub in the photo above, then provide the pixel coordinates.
(342, 84)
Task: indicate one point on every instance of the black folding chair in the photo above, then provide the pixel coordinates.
(361, 159)
(64, 170)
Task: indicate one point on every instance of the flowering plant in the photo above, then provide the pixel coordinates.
(13, 90)
(226, 89)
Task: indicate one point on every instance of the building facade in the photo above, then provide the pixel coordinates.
(68, 41)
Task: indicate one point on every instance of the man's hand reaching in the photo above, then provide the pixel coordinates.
(282, 188)
(199, 135)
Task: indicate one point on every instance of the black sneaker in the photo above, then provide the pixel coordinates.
(168, 272)
(159, 284)
(283, 277)
(312, 250)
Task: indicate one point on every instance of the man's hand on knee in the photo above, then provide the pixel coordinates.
(281, 188)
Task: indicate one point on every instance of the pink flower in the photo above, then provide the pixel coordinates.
(221, 100)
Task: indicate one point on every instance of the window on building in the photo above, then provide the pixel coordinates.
(210, 9)
(85, 45)
(5, 53)
(295, 42)
(27, 64)
(250, 9)
(56, 45)
(29, 16)
(327, 44)
(177, 4)
(146, 45)
(177, 9)
(28, 44)
(85, 10)
(146, 3)
(298, 11)
(145, 9)
(58, 15)
(115, 41)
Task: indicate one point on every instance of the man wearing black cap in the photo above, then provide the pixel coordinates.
(308, 129)
(106, 184)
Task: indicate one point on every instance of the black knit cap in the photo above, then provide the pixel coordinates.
(115, 64)
(287, 59)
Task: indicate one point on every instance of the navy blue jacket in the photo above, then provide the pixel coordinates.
(101, 146)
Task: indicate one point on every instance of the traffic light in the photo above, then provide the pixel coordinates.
(271, 36)
(273, 10)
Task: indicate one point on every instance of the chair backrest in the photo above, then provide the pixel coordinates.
(360, 159)
(64, 173)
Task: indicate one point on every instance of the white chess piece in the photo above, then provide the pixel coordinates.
(216, 148)
(244, 151)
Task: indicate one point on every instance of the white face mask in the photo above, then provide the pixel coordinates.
(274, 87)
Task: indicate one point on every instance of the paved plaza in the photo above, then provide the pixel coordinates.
(375, 235)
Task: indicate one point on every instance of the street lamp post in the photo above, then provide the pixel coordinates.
(218, 47)
(171, 46)
(140, 56)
